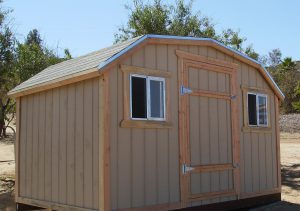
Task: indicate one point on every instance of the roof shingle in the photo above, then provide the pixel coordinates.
(75, 65)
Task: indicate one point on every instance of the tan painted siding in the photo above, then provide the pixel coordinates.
(59, 133)
(258, 149)
(145, 162)
(59, 145)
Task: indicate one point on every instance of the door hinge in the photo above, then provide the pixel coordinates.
(184, 90)
(186, 169)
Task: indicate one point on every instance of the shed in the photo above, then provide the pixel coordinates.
(156, 122)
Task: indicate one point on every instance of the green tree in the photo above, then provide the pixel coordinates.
(8, 77)
(33, 56)
(285, 76)
(180, 20)
(296, 104)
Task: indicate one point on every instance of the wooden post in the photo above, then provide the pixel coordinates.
(278, 142)
(17, 144)
(104, 149)
(235, 133)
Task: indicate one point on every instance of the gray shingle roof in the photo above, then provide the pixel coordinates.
(73, 66)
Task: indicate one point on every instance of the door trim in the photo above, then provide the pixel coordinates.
(217, 66)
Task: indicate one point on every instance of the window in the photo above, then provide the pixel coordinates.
(257, 109)
(147, 97)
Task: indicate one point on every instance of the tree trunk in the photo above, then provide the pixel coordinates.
(3, 108)
(2, 126)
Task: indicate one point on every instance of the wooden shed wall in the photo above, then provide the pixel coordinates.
(58, 151)
(145, 162)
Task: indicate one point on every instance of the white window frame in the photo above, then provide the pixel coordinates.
(257, 95)
(148, 94)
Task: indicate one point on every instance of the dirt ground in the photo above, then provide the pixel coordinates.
(290, 170)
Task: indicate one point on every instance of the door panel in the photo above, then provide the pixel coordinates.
(207, 141)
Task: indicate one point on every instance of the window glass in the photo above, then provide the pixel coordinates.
(252, 116)
(147, 97)
(138, 97)
(156, 98)
(262, 110)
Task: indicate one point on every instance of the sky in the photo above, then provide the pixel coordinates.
(86, 26)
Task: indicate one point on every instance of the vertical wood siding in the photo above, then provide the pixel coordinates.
(59, 145)
(145, 162)
(59, 137)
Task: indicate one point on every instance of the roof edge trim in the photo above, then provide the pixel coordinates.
(143, 38)
(117, 55)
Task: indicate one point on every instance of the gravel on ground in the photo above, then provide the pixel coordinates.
(289, 123)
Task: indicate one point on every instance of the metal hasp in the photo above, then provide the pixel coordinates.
(186, 168)
(184, 90)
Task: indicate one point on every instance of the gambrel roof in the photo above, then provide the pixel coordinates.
(92, 64)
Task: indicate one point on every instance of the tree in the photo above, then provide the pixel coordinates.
(159, 18)
(8, 77)
(285, 76)
(275, 57)
(33, 56)
(34, 37)
(296, 104)
(19, 62)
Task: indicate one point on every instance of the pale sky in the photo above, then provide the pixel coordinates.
(85, 26)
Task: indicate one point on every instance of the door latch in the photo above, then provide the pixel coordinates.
(186, 169)
(184, 90)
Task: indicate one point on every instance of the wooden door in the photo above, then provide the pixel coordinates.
(208, 130)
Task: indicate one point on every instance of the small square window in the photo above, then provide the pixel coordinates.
(147, 97)
(257, 109)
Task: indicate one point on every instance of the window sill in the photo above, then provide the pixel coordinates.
(145, 124)
(257, 129)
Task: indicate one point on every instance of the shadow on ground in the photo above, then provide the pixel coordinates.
(7, 202)
(278, 206)
(291, 176)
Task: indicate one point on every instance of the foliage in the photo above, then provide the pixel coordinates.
(33, 56)
(18, 62)
(8, 76)
(180, 20)
(284, 73)
(296, 104)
